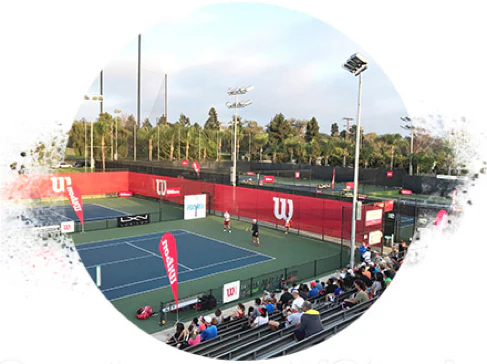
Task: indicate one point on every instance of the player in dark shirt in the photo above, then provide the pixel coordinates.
(255, 233)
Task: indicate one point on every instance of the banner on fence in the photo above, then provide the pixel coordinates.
(134, 220)
(67, 227)
(373, 217)
(231, 291)
(194, 207)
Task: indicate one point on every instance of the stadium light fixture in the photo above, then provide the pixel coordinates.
(116, 111)
(411, 128)
(95, 98)
(356, 65)
(235, 92)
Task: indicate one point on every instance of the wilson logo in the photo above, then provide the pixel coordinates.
(280, 213)
(60, 183)
(161, 187)
(231, 291)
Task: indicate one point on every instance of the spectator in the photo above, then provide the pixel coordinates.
(273, 299)
(289, 319)
(219, 316)
(366, 272)
(262, 319)
(313, 292)
(403, 249)
(303, 291)
(210, 332)
(297, 302)
(362, 249)
(294, 286)
(178, 336)
(319, 286)
(203, 324)
(330, 286)
(239, 313)
(368, 255)
(363, 278)
(194, 337)
(310, 322)
(184, 342)
(286, 296)
(250, 314)
(388, 274)
(333, 297)
(378, 285)
(360, 297)
(394, 255)
(269, 306)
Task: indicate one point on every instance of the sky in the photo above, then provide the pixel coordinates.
(292, 60)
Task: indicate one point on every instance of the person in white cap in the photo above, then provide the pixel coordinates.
(211, 330)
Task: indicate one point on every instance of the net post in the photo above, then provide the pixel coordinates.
(98, 275)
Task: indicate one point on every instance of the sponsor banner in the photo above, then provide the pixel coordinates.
(361, 197)
(405, 192)
(173, 192)
(268, 179)
(67, 227)
(125, 194)
(444, 176)
(185, 162)
(134, 220)
(349, 185)
(231, 292)
(386, 205)
(194, 207)
(373, 217)
(169, 254)
(375, 237)
(296, 174)
(389, 174)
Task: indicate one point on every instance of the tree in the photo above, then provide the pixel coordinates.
(335, 130)
(312, 130)
(103, 128)
(212, 122)
(184, 120)
(278, 129)
(147, 123)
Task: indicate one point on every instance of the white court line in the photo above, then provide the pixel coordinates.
(200, 268)
(232, 245)
(109, 208)
(156, 255)
(130, 237)
(84, 247)
(119, 261)
(189, 280)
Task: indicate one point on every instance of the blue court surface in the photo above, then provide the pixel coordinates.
(133, 265)
(54, 215)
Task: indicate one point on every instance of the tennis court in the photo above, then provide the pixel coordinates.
(54, 215)
(133, 265)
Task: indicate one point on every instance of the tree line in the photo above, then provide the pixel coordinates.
(282, 140)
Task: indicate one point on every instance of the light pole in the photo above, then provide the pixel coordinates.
(409, 127)
(96, 98)
(116, 111)
(356, 64)
(236, 105)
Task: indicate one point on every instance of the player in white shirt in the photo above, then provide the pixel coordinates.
(226, 222)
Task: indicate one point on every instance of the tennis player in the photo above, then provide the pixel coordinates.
(255, 232)
(287, 225)
(226, 221)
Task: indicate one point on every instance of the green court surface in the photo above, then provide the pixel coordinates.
(288, 250)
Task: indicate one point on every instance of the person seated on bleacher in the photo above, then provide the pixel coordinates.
(394, 256)
(219, 316)
(313, 292)
(269, 306)
(178, 336)
(310, 322)
(303, 291)
(202, 326)
(319, 285)
(262, 319)
(378, 285)
(297, 302)
(403, 249)
(333, 296)
(290, 318)
(188, 338)
(210, 332)
(360, 276)
(286, 296)
(330, 286)
(239, 313)
(194, 336)
(360, 297)
(365, 271)
(367, 256)
(388, 274)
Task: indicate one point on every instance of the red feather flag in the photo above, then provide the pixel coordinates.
(73, 193)
(167, 247)
(333, 180)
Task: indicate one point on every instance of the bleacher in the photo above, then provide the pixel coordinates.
(237, 341)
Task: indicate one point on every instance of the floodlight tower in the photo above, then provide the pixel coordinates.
(411, 128)
(236, 105)
(356, 65)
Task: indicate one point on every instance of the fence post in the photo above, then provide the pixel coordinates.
(251, 286)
